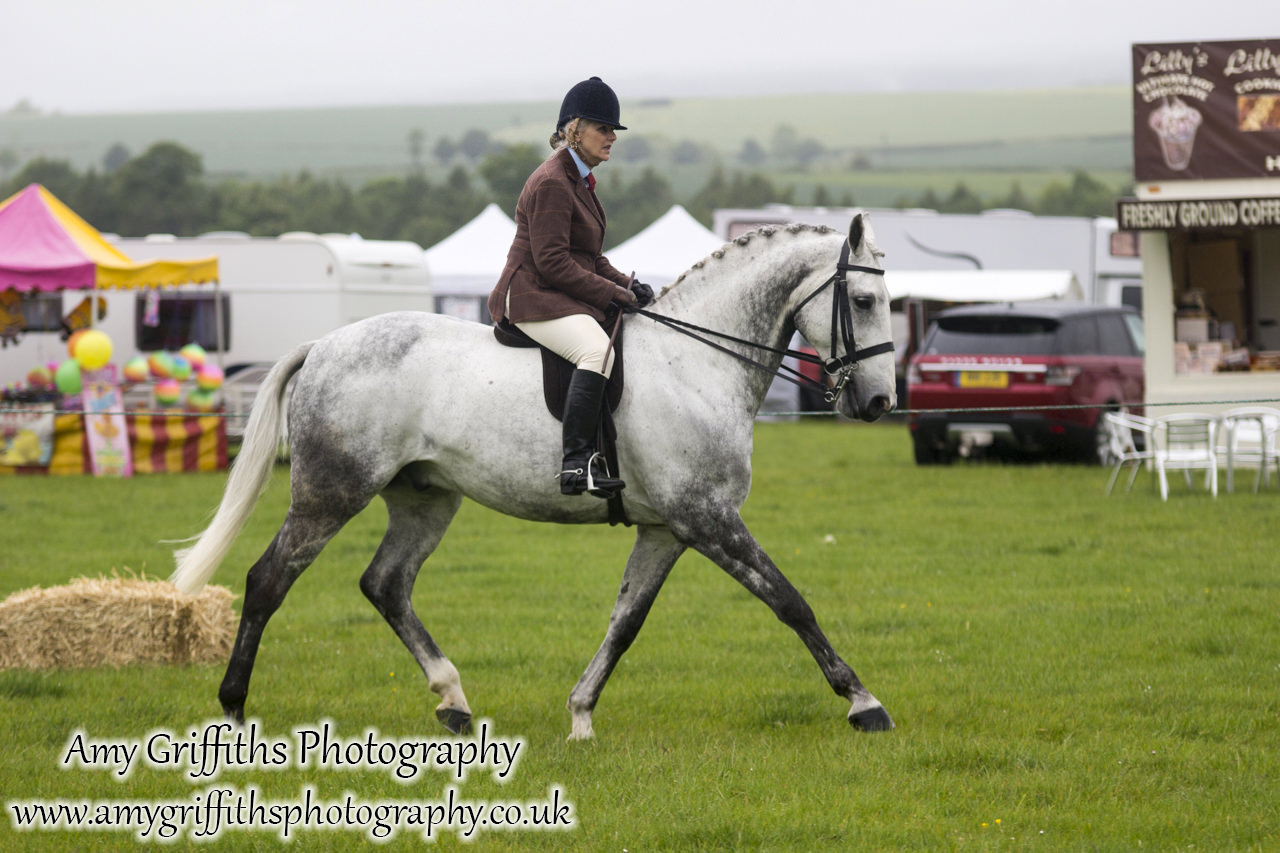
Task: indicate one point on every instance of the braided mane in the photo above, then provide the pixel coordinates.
(764, 231)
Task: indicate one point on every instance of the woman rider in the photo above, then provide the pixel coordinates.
(557, 285)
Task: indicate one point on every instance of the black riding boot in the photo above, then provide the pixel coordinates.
(582, 470)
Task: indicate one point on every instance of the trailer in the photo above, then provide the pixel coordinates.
(936, 260)
(1103, 259)
(273, 293)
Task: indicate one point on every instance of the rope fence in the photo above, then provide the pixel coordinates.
(169, 413)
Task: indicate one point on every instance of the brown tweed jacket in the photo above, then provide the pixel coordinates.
(554, 267)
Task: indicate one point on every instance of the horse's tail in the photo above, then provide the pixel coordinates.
(248, 479)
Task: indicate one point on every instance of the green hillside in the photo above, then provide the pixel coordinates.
(1054, 131)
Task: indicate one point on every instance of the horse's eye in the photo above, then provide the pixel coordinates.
(863, 303)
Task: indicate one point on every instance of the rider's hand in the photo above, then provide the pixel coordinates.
(643, 292)
(624, 297)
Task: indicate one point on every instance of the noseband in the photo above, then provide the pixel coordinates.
(841, 323)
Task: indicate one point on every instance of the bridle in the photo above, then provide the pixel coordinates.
(841, 368)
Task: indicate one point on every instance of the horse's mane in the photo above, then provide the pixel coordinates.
(736, 244)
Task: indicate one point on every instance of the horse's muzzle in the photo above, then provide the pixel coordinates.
(874, 409)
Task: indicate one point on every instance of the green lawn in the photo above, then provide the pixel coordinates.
(1067, 670)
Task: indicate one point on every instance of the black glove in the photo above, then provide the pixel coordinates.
(643, 292)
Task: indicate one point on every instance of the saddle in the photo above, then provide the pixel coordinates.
(557, 371)
(556, 374)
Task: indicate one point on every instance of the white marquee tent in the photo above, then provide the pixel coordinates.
(465, 266)
(668, 247)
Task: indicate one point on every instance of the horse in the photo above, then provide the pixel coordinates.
(423, 410)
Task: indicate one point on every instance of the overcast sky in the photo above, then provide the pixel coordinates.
(78, 56)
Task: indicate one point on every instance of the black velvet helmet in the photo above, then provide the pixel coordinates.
(591, 99)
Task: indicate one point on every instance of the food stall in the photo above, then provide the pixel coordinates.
(1206, 213)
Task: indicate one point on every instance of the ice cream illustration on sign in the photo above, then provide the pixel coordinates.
(1175, 124)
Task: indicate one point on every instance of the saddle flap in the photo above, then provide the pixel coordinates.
(557, 371)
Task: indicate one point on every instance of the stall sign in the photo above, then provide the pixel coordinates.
(105, 425)
(1206, 110)
(1197, 214)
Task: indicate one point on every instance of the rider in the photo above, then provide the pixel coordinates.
(557, 285)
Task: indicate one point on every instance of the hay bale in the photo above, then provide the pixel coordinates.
(114, 622)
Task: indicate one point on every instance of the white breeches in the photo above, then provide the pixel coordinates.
(577, 338)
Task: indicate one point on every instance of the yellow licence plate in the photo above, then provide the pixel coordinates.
(983, 379)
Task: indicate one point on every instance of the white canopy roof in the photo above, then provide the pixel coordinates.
(983, 285)
(469, 261)
(668, 247)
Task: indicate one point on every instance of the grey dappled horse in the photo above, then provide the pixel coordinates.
(424, 410)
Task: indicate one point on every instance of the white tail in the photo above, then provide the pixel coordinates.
(248, 479)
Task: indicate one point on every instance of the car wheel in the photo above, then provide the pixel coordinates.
(1097, 450)
(927, 454)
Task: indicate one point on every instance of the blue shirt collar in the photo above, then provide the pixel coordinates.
(583, 171)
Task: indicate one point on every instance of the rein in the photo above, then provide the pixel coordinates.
(841, 323)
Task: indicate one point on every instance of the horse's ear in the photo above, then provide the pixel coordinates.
(856, 233)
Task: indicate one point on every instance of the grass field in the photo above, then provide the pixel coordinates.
(1068, 671)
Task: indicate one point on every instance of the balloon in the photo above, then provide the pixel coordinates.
(40, 377)
(74, 340)
(161, 364)
(136, 369)
(168, 391)
(195, 354)
(181, 368)
(209, 378)
(67, 379)
(93, 350)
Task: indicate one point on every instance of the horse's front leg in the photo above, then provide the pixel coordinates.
(416, 522)
(655, 552)
(723, 537)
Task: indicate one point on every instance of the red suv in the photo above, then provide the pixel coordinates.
(978, 359)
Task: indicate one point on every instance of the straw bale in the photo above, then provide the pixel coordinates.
(93, 622)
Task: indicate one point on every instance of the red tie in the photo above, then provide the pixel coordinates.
(591, 182)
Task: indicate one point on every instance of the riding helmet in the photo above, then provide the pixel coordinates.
(591, 99)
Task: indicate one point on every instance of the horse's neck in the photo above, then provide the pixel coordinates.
(745, 289)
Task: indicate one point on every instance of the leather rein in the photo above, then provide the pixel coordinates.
(841, 324)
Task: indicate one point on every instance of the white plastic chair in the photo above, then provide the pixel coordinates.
(1122, 427)
(1249, 438)
(1186, 443)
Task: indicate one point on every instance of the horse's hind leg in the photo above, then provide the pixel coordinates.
(724, 539)
(655, 552)
(416, 522)
(296, 545)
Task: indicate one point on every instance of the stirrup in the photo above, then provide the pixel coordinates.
(593, 488)
(598, 491)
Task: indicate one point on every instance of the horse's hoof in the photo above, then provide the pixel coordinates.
(456, 721)
(871, 720)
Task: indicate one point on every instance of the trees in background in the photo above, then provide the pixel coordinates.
(164, 190)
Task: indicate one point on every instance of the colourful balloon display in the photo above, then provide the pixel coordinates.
(68, 379)
(136, 369)
(40, 377)
(195, 354)
(209, 378)
(161, 364)
(200, 401)
(168, 391)
(93, 349)
(181, 368)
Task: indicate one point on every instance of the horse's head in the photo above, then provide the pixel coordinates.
(846, 324)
